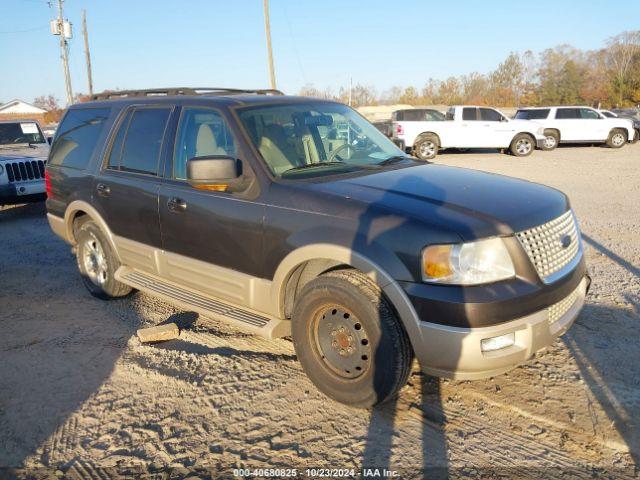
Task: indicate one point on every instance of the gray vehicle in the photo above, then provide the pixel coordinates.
(23, 155)
(288, 216)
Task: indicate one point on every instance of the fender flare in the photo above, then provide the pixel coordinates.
(82, 206)
(344, 255)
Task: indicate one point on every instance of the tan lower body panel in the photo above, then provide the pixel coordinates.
(210, 306)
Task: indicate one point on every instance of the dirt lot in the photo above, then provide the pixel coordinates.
(80, 395)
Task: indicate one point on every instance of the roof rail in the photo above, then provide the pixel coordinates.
(164, 92)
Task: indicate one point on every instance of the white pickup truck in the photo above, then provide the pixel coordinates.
(571, 124)
(468, 127)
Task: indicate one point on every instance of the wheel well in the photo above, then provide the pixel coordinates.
(530, 135)
(303, 274)
(74, 222)
(428, 133)
(554, 130)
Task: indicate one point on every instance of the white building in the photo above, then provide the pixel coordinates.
(20, 108)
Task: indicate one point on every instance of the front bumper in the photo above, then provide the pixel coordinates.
(455, 352)
(22, 192)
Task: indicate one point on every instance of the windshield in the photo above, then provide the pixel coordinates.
(540, 114)
(20, 132)
(302, 140)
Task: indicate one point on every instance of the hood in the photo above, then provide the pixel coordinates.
(37, 151)
(473, 204)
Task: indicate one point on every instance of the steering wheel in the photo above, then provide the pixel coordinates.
(21, 140)
(334, 154)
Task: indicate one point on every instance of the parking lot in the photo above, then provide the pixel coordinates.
(80, 394)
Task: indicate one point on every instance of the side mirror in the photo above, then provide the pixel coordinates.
(215, 172)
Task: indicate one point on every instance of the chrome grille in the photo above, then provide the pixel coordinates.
(24, 170)
(557, 310)
(544, 246)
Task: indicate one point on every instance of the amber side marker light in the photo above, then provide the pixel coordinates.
(212, 188)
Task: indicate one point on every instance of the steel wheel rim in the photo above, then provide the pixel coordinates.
(341, 342)
(523, 146)
(617, 139)
(550, 141)
(94, 261)
(427, 149)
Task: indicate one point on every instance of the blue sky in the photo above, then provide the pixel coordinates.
(143, 44)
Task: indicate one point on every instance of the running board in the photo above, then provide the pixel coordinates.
(252, 322)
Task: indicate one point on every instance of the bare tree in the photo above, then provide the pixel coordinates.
(621, 52)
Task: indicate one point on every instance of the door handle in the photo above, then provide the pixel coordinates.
(103, 190)
(176, 205)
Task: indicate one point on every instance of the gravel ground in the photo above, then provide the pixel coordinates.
(79, 395)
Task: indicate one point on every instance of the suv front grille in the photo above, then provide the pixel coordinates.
(553, 246)
(23, 170)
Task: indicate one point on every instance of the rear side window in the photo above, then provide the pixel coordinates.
(568, 113)
(77, 137)
(469, 114)
(588, 114)
(136, 146)
(532, 114)
(490, 115)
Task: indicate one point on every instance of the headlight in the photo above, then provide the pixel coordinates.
(470, 263)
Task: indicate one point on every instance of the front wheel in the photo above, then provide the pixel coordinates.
(522, 145)
(426, 146)
(349, 341)
(97, 262)
(617, 138)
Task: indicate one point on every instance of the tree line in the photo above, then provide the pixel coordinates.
(563, 75)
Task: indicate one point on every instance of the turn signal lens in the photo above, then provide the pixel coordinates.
(435, 261)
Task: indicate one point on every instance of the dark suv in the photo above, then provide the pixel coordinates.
(295, 216)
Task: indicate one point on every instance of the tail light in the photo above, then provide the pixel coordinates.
(399, 129)
(47, 184)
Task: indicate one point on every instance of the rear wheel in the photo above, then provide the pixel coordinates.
(522, 145)
(551, 140)
(349, 341)
(617, 138)
(97, 262)
(426, 146)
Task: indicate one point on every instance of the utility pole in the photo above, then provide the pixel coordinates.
(272, 73)
(63, 28)
(86, 51)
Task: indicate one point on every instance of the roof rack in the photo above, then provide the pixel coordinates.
(164, 92)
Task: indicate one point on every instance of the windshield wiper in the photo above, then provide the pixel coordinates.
(316, 164)
(393, 159)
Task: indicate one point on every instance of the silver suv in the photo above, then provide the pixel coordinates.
(23, 155)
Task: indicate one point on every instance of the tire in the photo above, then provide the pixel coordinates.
(617, 138)
(522, 145)
(551, 141)
(96, 261)
(349, 341)
(426, 146)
